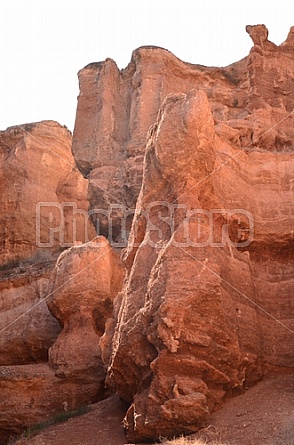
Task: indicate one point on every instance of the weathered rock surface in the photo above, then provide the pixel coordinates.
(43, 210)
(37, 176)
(27, 329)
(85, 281)
(117, 107)
(262, 415)
(32, 393)
(207, 309)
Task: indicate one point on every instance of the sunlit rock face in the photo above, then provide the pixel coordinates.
(206, 309)
(190, 169)
(43, 195)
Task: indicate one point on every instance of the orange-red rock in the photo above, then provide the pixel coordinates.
(27, 329)
(117, 107)
(206, 309)
(30, 394)
(85, 280)
(38, 176)
(43, 210)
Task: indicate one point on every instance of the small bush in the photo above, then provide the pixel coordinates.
(58, 418)
(10, 265)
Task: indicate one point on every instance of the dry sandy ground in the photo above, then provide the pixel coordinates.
(264, 415)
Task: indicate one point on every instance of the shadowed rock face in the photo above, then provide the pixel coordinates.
(206, 309)
(27, 327)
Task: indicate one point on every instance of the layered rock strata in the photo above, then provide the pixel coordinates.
(206, 308)
(27, 329)
(85, 280)
(43, 196)
(43, 211)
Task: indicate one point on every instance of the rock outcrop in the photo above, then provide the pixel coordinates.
(27, 329)
(86, 279)
(191, 169)
(43, 196)
(43, 210)
(116, 109)
(206, 309)
(31, 394)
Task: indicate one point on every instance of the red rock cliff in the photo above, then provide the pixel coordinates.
(206, 309)
(205, 157)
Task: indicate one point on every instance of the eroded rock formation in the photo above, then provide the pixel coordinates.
(116, 109)
(43, 195)
(43, 210)
(31, 394)
(86, 279)
(206, 309)
(27, 329)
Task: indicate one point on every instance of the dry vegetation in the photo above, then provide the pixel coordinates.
(188, 441)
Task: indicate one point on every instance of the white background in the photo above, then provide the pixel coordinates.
(44, 43)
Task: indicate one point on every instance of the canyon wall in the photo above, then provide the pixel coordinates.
(206, 309)
(44, 211)
(38, 177)
(70, 374)
(189, 169)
